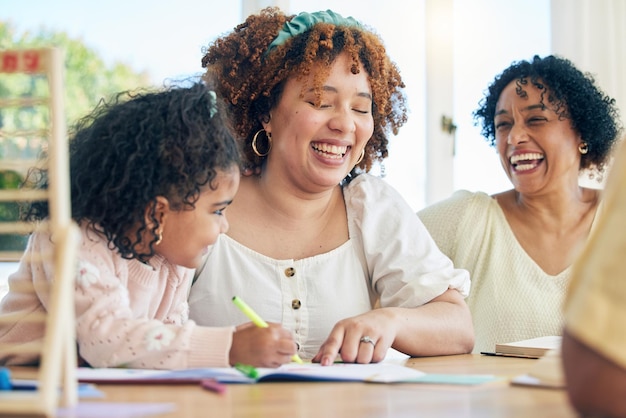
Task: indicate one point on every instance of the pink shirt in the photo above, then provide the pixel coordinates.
(127, 313)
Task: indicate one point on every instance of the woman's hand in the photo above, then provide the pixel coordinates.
(361, 339)
(262, 347)
(442, 326)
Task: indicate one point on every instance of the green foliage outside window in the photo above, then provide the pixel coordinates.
(87, 80)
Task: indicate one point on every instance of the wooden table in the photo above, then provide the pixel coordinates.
(314, 399)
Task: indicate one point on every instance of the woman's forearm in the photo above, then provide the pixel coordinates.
(442, 326)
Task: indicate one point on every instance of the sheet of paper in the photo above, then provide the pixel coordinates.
(115, 409)
(121, 375)
(455, 379)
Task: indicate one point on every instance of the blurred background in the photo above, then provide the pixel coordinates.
(118, 44)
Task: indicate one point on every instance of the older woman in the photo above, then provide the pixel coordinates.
(548, 122)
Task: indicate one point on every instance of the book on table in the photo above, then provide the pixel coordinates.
(534, 347)
(338, 372)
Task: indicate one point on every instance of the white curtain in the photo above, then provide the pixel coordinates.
(592, 33)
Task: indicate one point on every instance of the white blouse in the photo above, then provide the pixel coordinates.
(389, 257)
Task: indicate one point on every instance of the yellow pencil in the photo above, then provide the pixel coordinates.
(257, 320)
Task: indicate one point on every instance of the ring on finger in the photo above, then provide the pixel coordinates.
(367, 339)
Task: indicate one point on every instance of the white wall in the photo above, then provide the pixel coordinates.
(488, 36)
(593, 35)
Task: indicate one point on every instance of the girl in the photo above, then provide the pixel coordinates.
(151, 178)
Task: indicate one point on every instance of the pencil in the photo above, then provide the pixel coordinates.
(257, 320)
(487, 353)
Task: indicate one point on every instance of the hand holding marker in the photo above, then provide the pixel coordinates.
(257, 320)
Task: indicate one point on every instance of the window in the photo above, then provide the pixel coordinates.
(489, 36)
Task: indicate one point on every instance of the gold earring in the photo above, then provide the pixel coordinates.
(159, 233)
(583, 148)
(269, 143)
(361, 157)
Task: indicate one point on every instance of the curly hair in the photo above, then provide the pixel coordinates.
(571, 93)
(251, 80)
(134, 148)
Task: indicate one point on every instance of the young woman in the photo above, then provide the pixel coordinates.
(315, 242)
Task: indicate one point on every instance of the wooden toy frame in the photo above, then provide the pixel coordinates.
(56, 375)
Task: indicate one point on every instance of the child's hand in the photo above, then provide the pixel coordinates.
(262, 347)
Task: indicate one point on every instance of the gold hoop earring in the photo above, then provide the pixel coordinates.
(360, 157)
(583, 148)
(269, 143)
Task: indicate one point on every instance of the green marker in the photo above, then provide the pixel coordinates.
(247, 310)
(249, 371)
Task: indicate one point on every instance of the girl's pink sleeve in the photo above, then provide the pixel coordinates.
(133, 315)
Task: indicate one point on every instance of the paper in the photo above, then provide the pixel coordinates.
(455, 379)
(546, 372)
(115, 409)
(529, 380)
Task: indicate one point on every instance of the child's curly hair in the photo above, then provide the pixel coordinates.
(571, 93)
(124, 154)
(251, 79)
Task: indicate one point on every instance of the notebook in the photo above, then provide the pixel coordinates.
(338, 372)
(534, 347)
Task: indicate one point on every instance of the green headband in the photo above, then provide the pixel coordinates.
(305, 21)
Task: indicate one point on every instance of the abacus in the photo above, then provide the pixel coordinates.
(41, 127)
